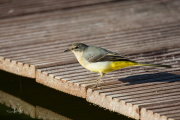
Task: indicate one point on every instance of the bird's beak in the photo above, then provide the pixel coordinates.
(67, 50)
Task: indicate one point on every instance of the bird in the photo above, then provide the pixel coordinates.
(100, 60)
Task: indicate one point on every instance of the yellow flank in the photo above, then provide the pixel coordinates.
(118, 65)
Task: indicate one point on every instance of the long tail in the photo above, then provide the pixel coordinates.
(154, 65)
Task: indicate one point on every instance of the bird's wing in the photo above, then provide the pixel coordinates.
(112, 56)
(107, 56)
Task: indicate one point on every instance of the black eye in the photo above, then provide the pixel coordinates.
(76, 47)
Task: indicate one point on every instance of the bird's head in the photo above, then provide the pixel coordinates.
(77, 47)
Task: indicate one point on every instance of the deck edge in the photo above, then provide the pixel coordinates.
(18, 68)
(150, 115)
(113, 104)
(60, 84)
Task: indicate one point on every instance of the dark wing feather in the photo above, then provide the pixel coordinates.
(112, 56)
(107, 56)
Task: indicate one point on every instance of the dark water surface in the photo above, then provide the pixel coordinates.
(39, 95)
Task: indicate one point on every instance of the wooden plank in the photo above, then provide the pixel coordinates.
(21, 7)
(18, 68)
(60, 84)
(115, 105)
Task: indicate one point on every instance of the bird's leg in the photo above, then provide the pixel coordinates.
(99, 80)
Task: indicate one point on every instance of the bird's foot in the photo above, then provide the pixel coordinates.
(96, 86)
(99, 81)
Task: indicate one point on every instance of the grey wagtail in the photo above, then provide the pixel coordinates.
(102, 61)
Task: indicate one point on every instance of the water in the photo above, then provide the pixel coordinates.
(6, 114)
(61, 104)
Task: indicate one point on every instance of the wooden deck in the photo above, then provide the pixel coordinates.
(33, 36)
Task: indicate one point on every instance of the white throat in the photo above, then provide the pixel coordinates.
(78, 55)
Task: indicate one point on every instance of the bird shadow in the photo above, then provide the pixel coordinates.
(148, 78)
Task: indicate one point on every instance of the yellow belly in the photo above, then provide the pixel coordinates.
(106, 67)
(120, 64)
